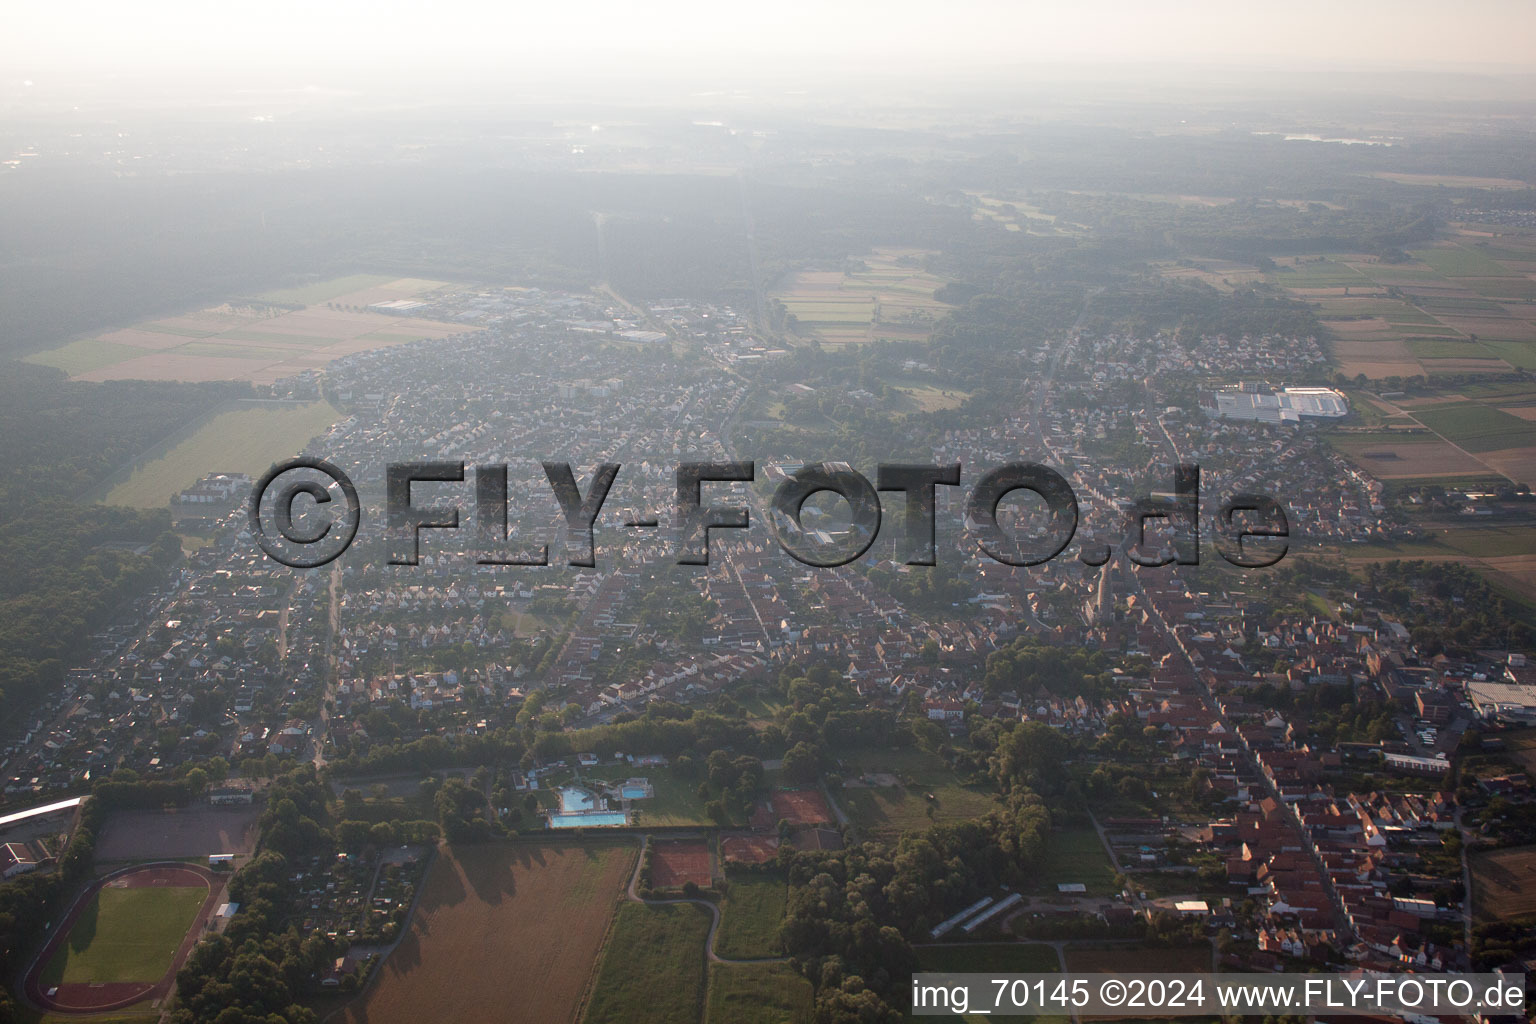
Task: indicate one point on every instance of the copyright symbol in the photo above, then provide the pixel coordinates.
(1112, 992)
(303, 545)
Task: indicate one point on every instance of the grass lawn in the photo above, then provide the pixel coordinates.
(126, 935)
(750, 916)
(908, 807)
(653, 966)
(1075, 855)
(244, 439)
(757, 994)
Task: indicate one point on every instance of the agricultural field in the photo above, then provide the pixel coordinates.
(757, 994)
(1504, 883)
(1221, 274)
(889, 791)
(653, 967)
(887, 295)
(1487, 431)
(241, 438)
(545, 908)
(1450, 180)
(262, 340)
(1477, 427)
(1403, 456)
(1465, 305)
(1014, 214)
(1075, 855)
(750, 915)
(126, 935)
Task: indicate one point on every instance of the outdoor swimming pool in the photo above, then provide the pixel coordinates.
(578, 809)
(634, 792)
(590, 818)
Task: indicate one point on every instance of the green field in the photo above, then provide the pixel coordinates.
(1434, 348)
(324, 291)
(126, 935)
(1478, 428)
(653, 966)
(1075, 855)
(1460, 262)
(243, 439)
(1519, 354)
(750, 916)
(757, 994)
(85, 355)
(908, 807)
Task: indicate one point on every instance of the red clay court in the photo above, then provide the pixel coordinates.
(749, 849)
(800, 807)
(674, 863)
(94, 997)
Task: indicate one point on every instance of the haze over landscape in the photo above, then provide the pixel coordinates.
(555, 763)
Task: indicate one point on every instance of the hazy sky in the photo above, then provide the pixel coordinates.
(329, 39)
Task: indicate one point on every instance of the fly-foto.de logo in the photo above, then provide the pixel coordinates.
(305, 512)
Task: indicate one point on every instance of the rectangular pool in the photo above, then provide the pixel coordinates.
(585, 820)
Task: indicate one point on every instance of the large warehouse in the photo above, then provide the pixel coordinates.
(1270, 405)
(1503, 699)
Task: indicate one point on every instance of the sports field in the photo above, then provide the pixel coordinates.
(503, 931)
(674, 863)
(126, 935)
(244, 438)
(121, 941)
(653, 966)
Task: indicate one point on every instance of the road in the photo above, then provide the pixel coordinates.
(328, 694)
